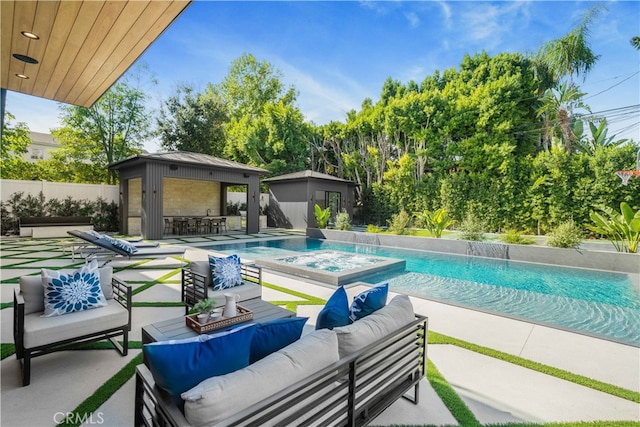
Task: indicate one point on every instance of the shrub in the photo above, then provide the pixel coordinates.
(513, 236)
(373, 229)
(565, 235)
(343, 221)
(472, 228)
(104, 216)
(322, 216)
(622, 229)
(399, 223)
(435, 222)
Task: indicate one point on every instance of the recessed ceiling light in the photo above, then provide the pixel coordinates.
(22, 76)
(25, 58)
(29, 35)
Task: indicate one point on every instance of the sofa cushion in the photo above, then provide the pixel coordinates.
(335, 312)
(69, 291)
(359, 334)
(203, 268)
(216, 399)
(368, 301)
(225, 272)
(178, 365)
(274, 335)
(46, 330)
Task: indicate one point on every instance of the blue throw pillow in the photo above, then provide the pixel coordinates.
(179, 365)
(225, 272)
(69, 291)
(274, 335)
(120, 244)
(335, 312)
(368, 301)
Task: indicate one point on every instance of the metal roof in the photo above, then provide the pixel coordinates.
(306, 175)
(187, 157)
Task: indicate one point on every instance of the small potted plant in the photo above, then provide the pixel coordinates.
(204, 308)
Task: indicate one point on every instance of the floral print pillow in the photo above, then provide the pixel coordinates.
(69, 291)
(225, 272)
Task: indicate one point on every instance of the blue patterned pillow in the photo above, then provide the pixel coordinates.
(120, 244)
(368, 301)
(225, 272)
(69, 291)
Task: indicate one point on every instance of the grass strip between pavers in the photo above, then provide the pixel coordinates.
(623, 393)
(84, 411)
(450, 398)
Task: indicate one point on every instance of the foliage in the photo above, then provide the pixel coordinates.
(322, 216)
(435, 222)
(373, 229)
(112, 129)
(15, 140)
(621, 228)
(566, 235)
(513, 236)
(400, 223)
(104, 216)
(190, 121)
(343, 221)
(472, 228)
(205, 305)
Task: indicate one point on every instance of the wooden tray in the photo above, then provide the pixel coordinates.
(244, 315)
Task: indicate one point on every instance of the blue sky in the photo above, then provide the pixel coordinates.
(336, 54)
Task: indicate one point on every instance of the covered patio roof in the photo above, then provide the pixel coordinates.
(74, 51)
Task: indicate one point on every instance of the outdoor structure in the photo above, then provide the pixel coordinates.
(181, 184)
(292, 198)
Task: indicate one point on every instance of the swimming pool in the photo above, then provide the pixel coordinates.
(598, 303)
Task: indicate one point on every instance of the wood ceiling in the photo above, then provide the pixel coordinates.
(84, 46)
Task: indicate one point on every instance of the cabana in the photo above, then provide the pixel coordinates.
(292, 198)
(159, 186)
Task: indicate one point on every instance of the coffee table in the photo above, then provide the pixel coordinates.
(176, 329)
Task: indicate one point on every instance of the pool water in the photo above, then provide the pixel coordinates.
(599, 303)
(331, 261)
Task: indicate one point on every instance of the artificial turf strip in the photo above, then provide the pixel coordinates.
(158, 304)
(5, 305)
(92, 403)
(450, 398)
(7, 349)
(312, 300)
(572, 424)
(623, 393)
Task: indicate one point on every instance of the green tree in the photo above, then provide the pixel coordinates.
(112, 129)
(635, 42)
(560, 104)
(15, 140)
(190, 121)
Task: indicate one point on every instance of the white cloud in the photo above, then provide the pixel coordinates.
(413, 19)
(446, 10)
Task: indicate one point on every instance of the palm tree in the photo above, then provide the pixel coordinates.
(572, 54)
(558, 104)
(635, 42)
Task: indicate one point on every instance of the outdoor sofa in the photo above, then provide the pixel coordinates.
(197, 284)
(341, 377)
(35, 335)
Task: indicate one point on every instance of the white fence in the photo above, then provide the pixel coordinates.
(62, 190)
(59, 190)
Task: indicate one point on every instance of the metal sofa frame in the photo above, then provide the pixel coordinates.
(195, 289)
(350, 392)
(121, 294)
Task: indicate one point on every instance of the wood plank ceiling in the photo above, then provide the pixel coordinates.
(83, 46)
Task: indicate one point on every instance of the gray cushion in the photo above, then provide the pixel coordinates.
(202, 267)
(46, 330)
(217, 398)
(379, 324)
(33, 292)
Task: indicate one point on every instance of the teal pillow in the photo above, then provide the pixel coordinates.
(275, 335)
(335, 312)
(368, 301)
(179, 365)
(225, 272)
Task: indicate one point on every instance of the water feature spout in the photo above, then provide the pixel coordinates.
(488, 249)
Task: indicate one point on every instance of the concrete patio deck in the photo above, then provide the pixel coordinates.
(495, 391)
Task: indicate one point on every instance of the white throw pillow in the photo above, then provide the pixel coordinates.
(217, 398)
(377, 325)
